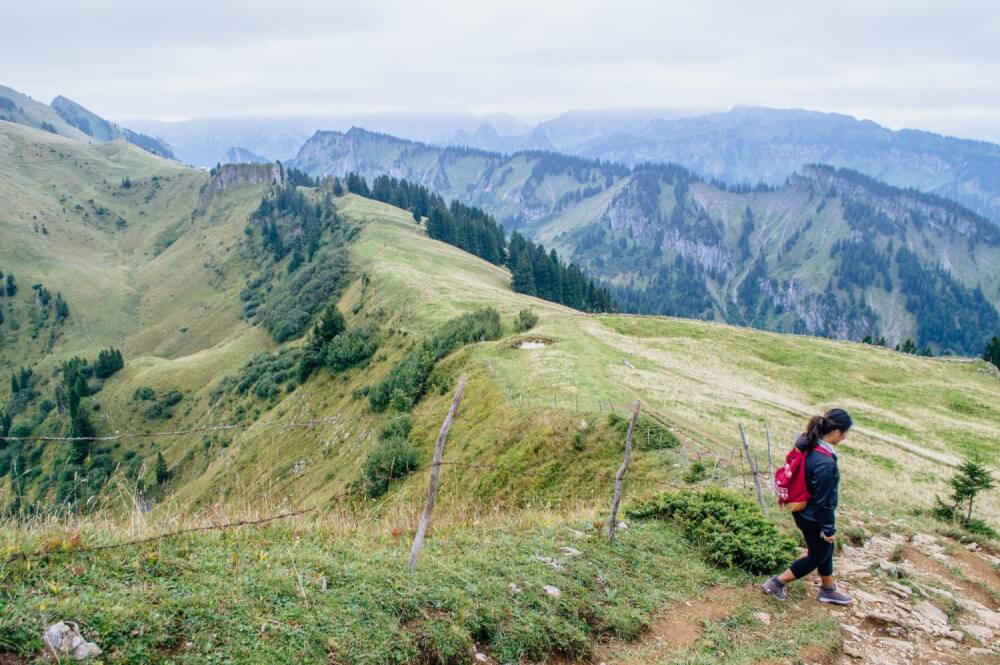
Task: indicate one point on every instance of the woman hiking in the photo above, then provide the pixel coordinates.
(817, 521)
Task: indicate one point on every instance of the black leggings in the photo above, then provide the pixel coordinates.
(820, 554)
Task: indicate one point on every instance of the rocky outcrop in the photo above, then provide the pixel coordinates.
(236, 175)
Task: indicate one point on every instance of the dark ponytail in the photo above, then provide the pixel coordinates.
(820, 426)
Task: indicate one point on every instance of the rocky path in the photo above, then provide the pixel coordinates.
(920, 600)
(924, 599)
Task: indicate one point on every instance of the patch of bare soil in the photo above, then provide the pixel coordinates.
(12, 659)
(979, 569)
(677, 626)
(938, 570)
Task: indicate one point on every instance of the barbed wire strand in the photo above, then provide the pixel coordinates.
(181, 432)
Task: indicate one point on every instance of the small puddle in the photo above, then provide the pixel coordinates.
(532, 345)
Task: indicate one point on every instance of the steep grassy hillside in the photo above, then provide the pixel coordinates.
(177, 317)
(189, 289)
(19, 108)
(917, 416)
(100, 129)
(831, 252)
(67, 118)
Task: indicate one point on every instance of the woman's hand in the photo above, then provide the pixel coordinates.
(827, 538)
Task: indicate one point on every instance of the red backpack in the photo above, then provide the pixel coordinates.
(790, 480)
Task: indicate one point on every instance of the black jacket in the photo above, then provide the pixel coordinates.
(823, 481)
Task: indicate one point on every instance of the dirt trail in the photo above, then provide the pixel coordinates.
(676, 627)
(926, 600)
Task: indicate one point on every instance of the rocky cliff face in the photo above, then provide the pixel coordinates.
(227, 176)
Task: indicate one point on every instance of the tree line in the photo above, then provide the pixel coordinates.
(535, 270)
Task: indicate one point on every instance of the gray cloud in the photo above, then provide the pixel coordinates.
(902, 63)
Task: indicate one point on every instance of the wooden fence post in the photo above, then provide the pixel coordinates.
(613, 523)
(743, 473)
(425, 517)
(770, 461)
(753, 469)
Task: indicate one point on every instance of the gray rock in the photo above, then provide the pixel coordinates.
(64, 639)
(853, 650)
(931, 613)
(848, 628)
(549, 561)
(763, 617)
(898, 645)
(552, 590)
(899, 589)
(981, 633)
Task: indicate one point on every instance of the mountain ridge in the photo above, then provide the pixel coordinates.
(629, 224)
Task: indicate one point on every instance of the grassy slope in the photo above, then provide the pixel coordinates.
(915, 416)
(176, 316)
(33, 113)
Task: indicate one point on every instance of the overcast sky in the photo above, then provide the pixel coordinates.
(916, 64)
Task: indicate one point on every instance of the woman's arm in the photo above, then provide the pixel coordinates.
(824, 496)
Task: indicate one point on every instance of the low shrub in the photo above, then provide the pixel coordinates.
(696, 473)
(526, 320)
(407, 382)
(144, 394)
(350, 348)
(393, 457)
(730, 530)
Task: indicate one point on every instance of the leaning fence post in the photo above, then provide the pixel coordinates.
(425, 517)
(770, 461)
(613, 522)
(753, 469)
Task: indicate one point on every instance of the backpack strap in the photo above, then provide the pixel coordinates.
(823, 451)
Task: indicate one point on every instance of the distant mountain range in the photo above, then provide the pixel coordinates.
(237, 155)
(200, 141)
(67, 118)
(752, 144)
(745, 145)
(830, 252)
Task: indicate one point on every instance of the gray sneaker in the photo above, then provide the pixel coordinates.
(833, 596)
(773, 587)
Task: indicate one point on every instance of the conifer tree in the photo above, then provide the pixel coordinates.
(972, 479)
(330, 324)
(523, 279)
(992, 352)
(160, 470)
(62, 309)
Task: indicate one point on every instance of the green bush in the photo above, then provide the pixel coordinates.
(696, 473)
(526, 320)
(393, 457)
(730, 530)
(980, 528)
(407, 382)
(144, 393)
(350, 348)
(298, 297)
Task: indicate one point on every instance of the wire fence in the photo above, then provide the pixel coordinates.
(714, 467)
